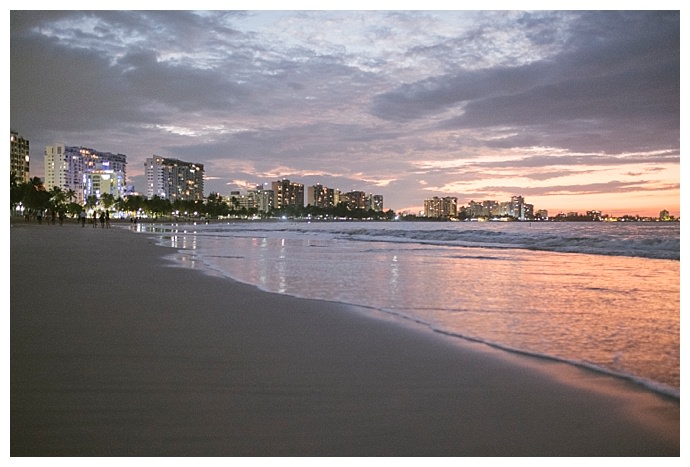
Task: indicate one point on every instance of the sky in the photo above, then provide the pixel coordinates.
(575, 110)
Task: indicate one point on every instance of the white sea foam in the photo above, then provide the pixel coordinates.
(643, 239)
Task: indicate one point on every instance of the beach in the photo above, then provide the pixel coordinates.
(115, 351)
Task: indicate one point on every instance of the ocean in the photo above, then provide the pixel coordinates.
(605, 296)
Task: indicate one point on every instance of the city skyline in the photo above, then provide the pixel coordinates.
(188, 175)
(575, 110)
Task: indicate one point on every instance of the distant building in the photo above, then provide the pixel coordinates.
(321, 197)
(441, 207)
(594, 215)
(85, 171)
(517, 207)
(63, 170)
(476, 209)
(504, 208)
(174, 179)
(447, 207)
(376, 203)
(104, 180)
(529, 211)
(664, 215)
(19, 157)
(354, 200)
(241, 201)
(263, 199)
(257, 198)
(287, 193)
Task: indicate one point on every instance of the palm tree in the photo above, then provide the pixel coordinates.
(133, 204)
(107, 200)
(16, 190)
(91, 201)
(158, 206)
(57, 196)
(35, 196)
(71, 194)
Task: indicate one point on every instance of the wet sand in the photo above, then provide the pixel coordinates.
(117, 352)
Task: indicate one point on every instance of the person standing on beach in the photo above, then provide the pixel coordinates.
(95, 219)
(107, 219)
(82, 217)
(102, 219)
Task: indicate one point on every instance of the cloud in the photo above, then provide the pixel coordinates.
(614, 186)
(374, 100)
(627, 81)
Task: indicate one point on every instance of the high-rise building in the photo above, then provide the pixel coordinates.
(85, 171)
(517, 207)
(321, 196)
(354, 200)
(375, 203)
(287, 193)
(174, 179)
(263, 198)
(475, 209)
(60, 170)
(504, 208)
(19, 157)
(441, 207)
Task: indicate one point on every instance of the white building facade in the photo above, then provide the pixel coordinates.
(174, 179)
(85, 171)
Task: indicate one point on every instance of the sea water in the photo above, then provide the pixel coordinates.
(601, 295)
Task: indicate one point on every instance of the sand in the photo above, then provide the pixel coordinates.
(115, 351)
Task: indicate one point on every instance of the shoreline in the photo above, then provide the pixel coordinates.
(116, 351)
(185, 257)
(179, 258)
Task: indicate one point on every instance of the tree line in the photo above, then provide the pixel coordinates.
(28, 198)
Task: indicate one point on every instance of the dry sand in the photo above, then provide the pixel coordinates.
(115, 352)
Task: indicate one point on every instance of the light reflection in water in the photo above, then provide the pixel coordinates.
(394, 275)
(617, 312)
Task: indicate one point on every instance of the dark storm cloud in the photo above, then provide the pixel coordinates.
(47, 93)
(185, 88)
(618, 70)
(116, 69)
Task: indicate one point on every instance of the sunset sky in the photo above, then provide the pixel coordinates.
(574, 110)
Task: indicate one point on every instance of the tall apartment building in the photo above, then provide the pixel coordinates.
(263, 198)
(257, 198)
(19, 157)
(287, 193)
(355, 200)
(519, 209)
(321, 196)
(174, 179)
(441, 207)
(85, 171)
(375, 203)
(542, 214)
(63, 171)
(361, 200)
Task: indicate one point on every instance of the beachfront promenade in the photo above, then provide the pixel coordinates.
(116, 352)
